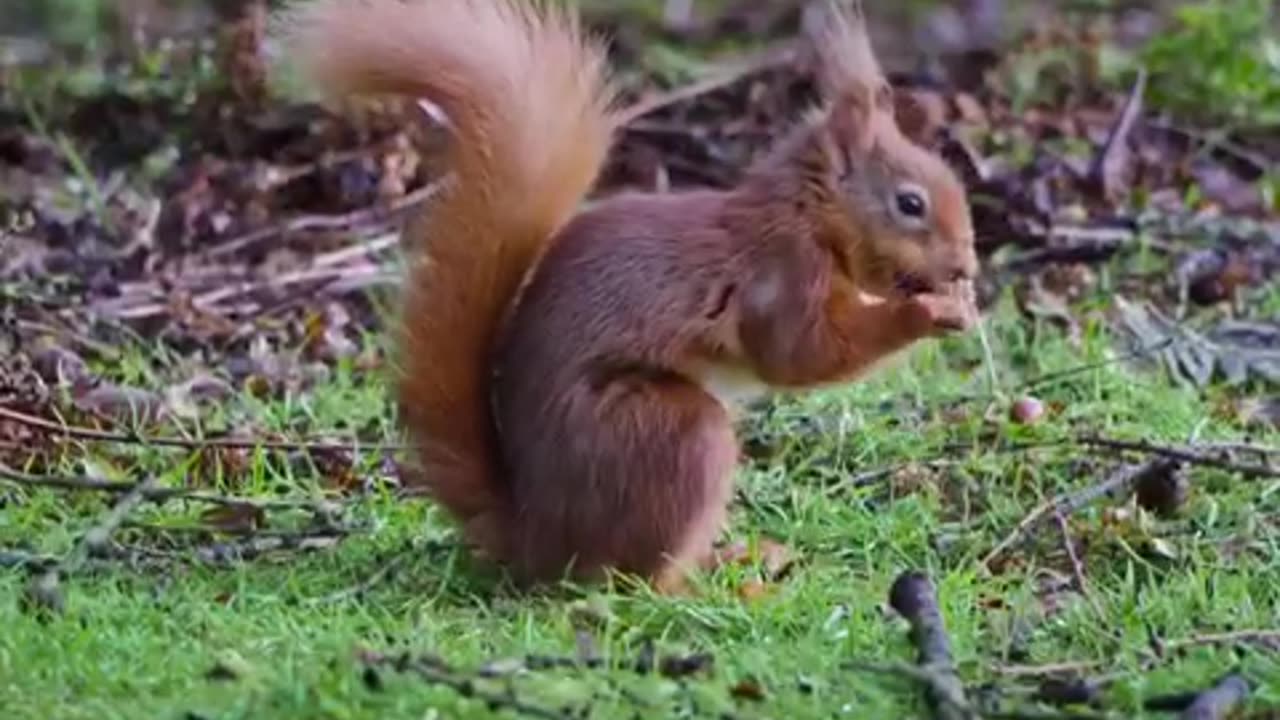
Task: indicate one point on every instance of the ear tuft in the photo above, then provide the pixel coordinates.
(851, 125)
(846, 62)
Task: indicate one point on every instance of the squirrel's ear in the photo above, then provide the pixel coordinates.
(851, 123)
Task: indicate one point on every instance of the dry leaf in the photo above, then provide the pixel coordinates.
(235, 518)
(748, 689)
(1237, 350)
(753, 590)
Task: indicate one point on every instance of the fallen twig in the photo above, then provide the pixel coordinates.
(81, 433)
(914, 597)
(1113, 158)
(928, 678)
(153, 493)
(230, 553)
(1240, 447)
(1077, 567)
(724, 76)
(1182, 454)
(438, 673)
(868, 477)
(384, 571)
(97, 347)
(363, 216)
(1120, 482)
(1219, 701)
(309, 281)
(43, 593)
(26, 560)
(1051, 377)
(1256, 161)
(1065, 667)
(219, 554)
(1265, 636)
(38, 563)
(1070, 244)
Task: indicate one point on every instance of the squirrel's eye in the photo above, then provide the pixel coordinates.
(911, 204)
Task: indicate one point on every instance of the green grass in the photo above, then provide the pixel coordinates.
(1238, 44)
(142, 644)
(137, 643)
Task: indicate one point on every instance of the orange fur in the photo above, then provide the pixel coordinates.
(527, 96)
(571, 378)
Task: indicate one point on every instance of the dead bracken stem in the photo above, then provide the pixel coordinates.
(1193, 455)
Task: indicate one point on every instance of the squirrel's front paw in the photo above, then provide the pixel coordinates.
(938, 314)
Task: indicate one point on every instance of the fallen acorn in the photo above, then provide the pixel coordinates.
(1026, 410)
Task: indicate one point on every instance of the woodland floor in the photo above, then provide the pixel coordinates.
(200, 514)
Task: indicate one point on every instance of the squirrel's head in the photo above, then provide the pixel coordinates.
(899, 211)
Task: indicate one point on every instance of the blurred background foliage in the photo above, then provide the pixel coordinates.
(1215, 61)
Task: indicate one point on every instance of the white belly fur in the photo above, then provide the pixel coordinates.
(733, 386)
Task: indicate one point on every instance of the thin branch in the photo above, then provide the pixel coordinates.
(384, 571)
(217, 555)
(929, 678)
(1114, 158)
(1239, 447)
(1057, 375)
(437, 673)
(1119, 482)
(1255, 161)
(335, 280)
(1070, 243)
(1262, 636)
(230, 553)
(1077, 566)
(723, 77)
(43, 593)
(26, 560)
(1182, 454)
(363, 216)
(153, 493)
(1235, 636)
(81, 433)
(868, 477)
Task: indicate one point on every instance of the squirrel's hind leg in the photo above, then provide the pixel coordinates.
(636, 479)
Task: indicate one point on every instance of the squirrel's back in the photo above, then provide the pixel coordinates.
(527, 97)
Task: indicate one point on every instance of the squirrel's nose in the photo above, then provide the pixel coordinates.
(964, 267)
(959, 272)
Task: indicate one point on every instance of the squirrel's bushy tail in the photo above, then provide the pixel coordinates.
(529, 102)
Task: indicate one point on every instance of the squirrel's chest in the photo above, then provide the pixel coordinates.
(732, 386)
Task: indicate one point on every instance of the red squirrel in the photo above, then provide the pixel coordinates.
(570, 375)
